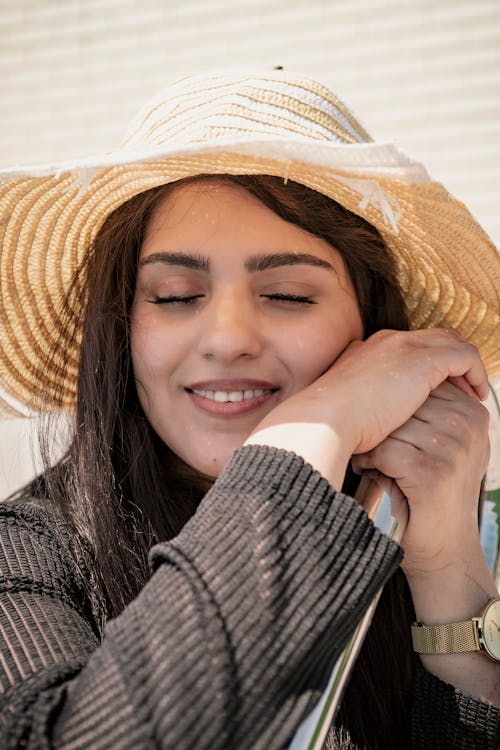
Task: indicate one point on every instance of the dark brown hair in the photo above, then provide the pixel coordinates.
(112, 490)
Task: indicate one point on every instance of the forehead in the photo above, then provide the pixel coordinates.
(201, 202)
(208, 215)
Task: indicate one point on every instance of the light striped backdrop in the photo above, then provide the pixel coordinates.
(425, 73)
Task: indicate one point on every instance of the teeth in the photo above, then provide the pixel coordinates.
(233, 396)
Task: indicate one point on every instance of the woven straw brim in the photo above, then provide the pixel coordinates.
(448, 269)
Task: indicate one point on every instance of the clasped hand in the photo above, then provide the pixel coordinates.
(408, 405)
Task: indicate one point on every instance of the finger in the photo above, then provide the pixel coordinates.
(369, 495)
(465, 367)
(461, 383)
(391, 457)
(474, 375)
(458, 392)
(461, 358)
(439, 437)
(450, 409)
(477, 377)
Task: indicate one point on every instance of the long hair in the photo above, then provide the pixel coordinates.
(119, 489)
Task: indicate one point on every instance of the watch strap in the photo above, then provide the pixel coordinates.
(453, 638)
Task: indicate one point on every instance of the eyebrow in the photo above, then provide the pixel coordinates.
(253, 264)
(274, 260)
(196, 262)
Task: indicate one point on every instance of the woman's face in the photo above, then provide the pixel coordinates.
(234, 311)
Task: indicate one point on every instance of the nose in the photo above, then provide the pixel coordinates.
(229, 328)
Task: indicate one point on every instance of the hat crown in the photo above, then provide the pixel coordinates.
(218, 107)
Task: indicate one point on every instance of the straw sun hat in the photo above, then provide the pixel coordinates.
(273, 123)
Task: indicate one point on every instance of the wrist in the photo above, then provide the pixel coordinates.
(317, 444)
(454, 592)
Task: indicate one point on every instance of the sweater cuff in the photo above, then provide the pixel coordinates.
(451, 717)
(275, 484)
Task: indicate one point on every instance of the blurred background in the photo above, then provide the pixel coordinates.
(422, 73)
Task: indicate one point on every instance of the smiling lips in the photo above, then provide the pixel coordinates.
(227, 398)
(233, 396)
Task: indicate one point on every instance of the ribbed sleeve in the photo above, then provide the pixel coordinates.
(229, 643)
(294, 568)
(232, 638)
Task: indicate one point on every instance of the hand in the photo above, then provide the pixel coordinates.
(437, 458)
(372, 389)
(386, 378)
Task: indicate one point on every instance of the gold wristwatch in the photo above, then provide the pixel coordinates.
(481, 633)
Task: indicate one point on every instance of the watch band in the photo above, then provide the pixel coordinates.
(453, 638)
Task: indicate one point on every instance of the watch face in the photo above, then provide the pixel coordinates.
(490, 629)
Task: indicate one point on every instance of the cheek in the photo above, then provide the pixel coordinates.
(150, 355)
(311, 352)
(140, 346)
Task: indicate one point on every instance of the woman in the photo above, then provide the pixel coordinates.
(243, 337)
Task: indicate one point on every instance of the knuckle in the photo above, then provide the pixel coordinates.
(381, 334)
(476, 420)
(469, 421)
(452, 333)
(474, 351)
(442, 439)
(457, 422)
(482, 415)
(439, 467)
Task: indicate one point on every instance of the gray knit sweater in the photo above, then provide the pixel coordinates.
(229, 643)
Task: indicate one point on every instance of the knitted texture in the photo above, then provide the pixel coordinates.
(461, 722)
(230, 642)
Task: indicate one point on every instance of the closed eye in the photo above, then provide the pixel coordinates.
(296, 298)
(174, 299)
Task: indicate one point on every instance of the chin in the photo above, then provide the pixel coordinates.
(213, 467)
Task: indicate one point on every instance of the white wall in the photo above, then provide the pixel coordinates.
(423, 72)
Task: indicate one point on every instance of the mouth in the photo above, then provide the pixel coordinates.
(226, 398)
